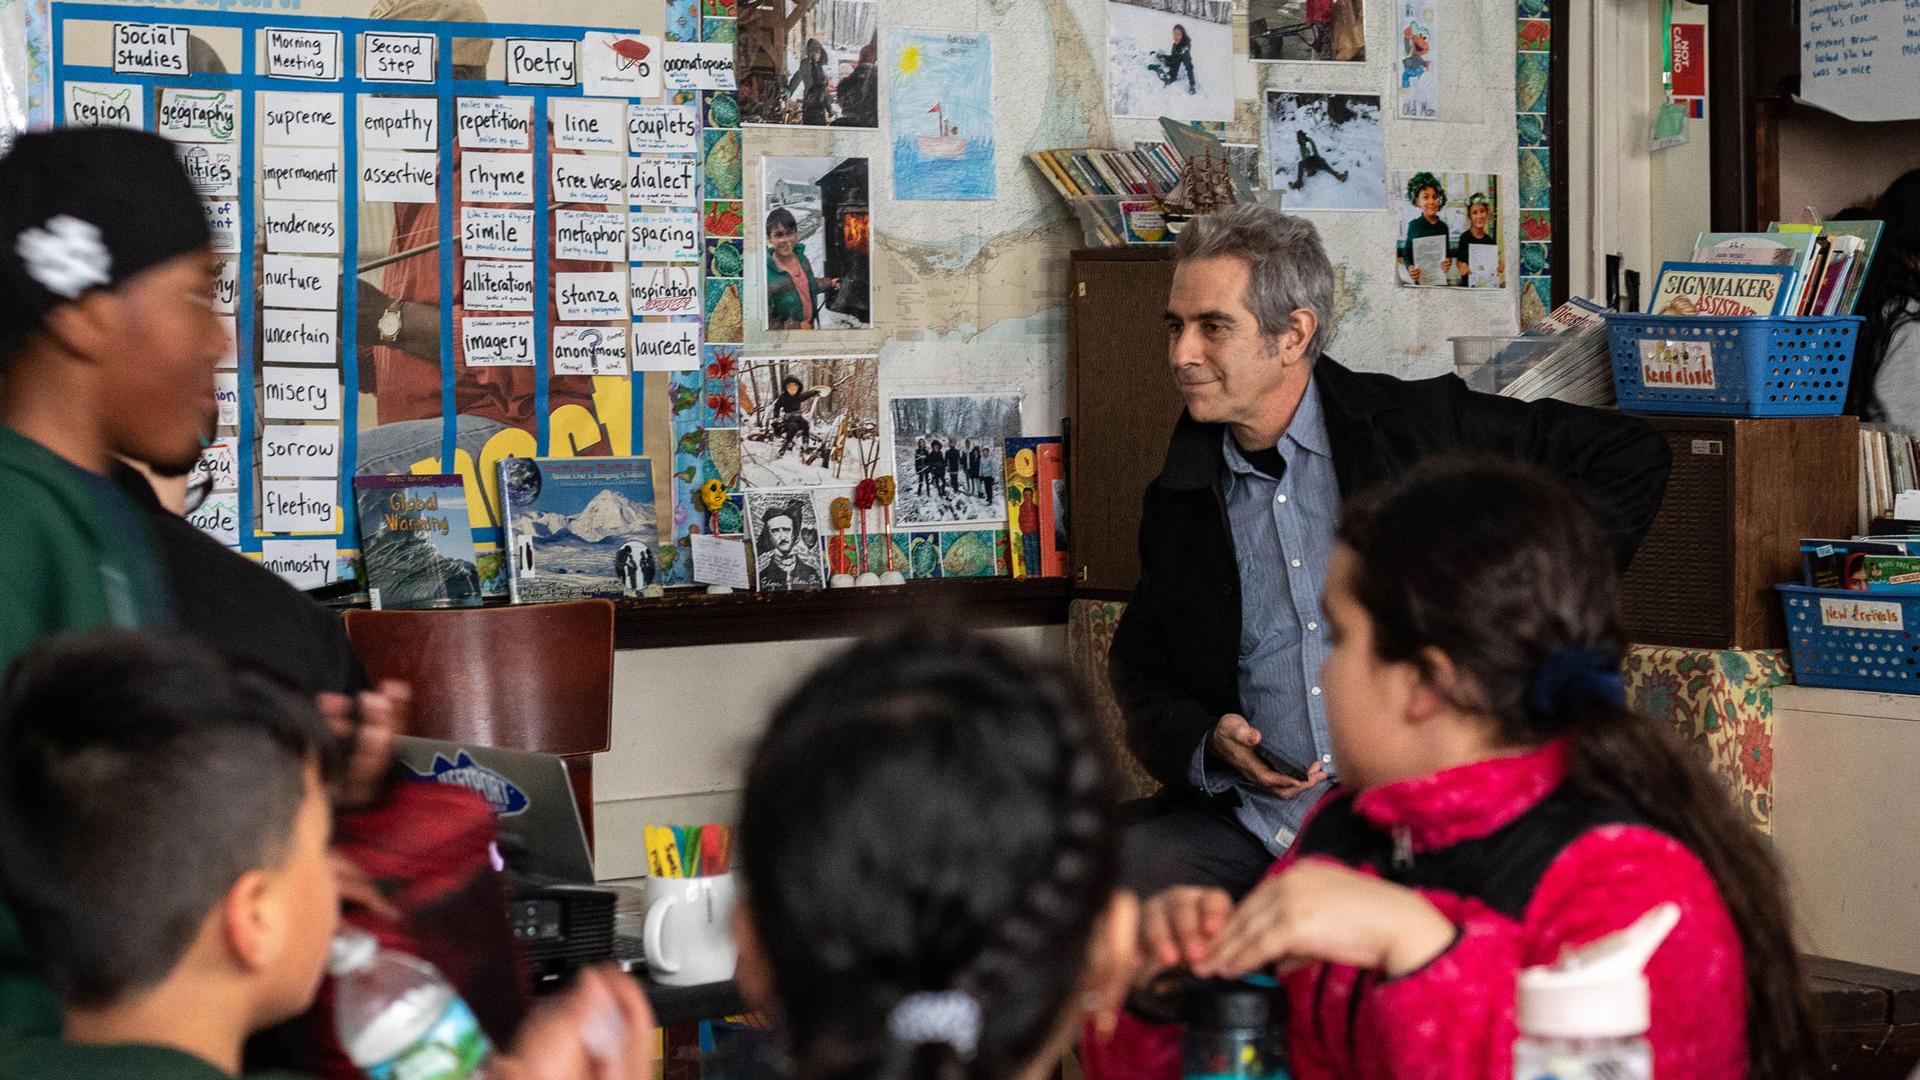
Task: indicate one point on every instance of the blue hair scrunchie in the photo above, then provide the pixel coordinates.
(1571, 676)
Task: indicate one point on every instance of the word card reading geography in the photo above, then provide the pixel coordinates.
(664, 238)
(399, 176)
(297, 173)
(588, 124)
(106, 105)
(492, 233)
(399, 123)
(590, 350)
(300, 119)
(299, 337)
(590, 178)
(591, 297)
(300, 451)
(590, 234)
(666, 346)
(301, 393)
(198, 115)
(303, 54)
(496, 342)
(546, 62)
(397, 57)
(496, 178)
(301, 281)
(149, 49)
(494, 123)
(663, 129)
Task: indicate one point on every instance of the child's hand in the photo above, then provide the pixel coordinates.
(1178, 925)
(368, 727)
(600, 1029)
(1319, 911)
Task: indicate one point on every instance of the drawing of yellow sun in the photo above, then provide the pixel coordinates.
(909, 59)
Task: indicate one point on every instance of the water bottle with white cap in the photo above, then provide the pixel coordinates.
(1586, 1017)
(398, 1018)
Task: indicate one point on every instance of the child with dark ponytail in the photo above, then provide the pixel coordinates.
(1501, 804)
(929, 860)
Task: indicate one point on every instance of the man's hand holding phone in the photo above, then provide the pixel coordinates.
(1237, 743)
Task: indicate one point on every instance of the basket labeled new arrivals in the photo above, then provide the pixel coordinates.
(1741, 365)
(1853, 640)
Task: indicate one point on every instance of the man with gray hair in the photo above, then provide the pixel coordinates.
(1217, 658)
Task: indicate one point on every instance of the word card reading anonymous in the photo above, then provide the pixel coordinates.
(590, 350)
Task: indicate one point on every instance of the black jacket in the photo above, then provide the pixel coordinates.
(1175, 657)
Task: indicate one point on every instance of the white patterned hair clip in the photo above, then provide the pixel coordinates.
(949, 1017)
(65, 256)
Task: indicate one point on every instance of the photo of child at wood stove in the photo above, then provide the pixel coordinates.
(817, 227)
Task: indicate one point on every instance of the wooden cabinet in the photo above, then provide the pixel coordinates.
(1121, 407)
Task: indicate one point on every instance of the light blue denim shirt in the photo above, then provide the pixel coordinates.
(1283, 536)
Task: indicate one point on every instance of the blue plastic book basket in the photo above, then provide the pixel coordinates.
(1853, 640)
(1732, 366)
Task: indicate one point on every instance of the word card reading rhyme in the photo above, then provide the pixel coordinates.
(495, 342)
(105, 105)
(300, 119)
(663, 129)
(589, 124)
(492, 233)
(547, 62)
(149, 49)
(506, 178)
(399, 123)
(590, 178)
(303, 54)
(406, 58)
(494, 123)
(301, 393)
(301, 281)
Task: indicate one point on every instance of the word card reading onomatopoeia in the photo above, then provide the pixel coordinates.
(495, 342)
(303, 564)
(664, 290)
(497, 286)
(666, 346)
(399, 123)
(397, 57)
(663, 129)
(301, 281)
(299, 337)
(664, 238)
(590, 178)
(301, 393)
(699, 65)
(590, 234)
(499, 178)
(494, 123)
(105, 105)
(300, 119)
(213, 170)
(663, 181)
(491, 233)
(545, 62)
(590, 350)
(300, 451)
(589, 124)
(297, 173)
(148, 49)
(399, 176)
(303, 54)
(592, 297)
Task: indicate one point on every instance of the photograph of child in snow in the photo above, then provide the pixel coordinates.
(948, 452)
(1170, 58)
(808, 420)
(809, 64)
(1451, 240)
(1327, 151)
(1307, 30)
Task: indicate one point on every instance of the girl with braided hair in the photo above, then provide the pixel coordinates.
(929, 854)
(1500, 804)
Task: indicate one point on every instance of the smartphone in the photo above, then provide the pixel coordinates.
(1278, 763)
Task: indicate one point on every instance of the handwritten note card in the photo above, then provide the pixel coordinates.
(720, 561)
(666, 346)
(300, 119)
(300, 173)
(304, 564)
(301, 281)
(300, 451)
(399, 176)
(664, 238)
(590, 178)
(590, 350)
(593, 297)
(489, 232)
(299, 337)
(497, 342)
(301, 393)
(663, 129)
(399, 123)
(1861, 58)
(590, 234)
(494, 123)
(397, 57)
(496, 178)
(302, 226)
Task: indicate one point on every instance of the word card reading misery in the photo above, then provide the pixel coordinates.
(592, 297)
(547, 62)
(589, 124)
(297, 506)
(663, 181)
(397, 57)
(506, 178)
(666, 346)
(590, 234)
(149, 49)
(495, 342)
(494, 123)
(399, 176)
(303, 54)
(105, 105)
(301, 281)
(664, 238)
(399, 123)
(590, 350)
(303, 564)
(664, 290)
(590, 178)
(299, 337)
(492, 233)
(311, 227)
(497, 286)
(699, 65)
(299, 173)
(663, 129)
(300, 451)
(301, 393)
(300, 119)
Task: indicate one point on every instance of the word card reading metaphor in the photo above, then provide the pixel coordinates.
(149, 49)
(399, 123)
(491, 233)
(301, 281)
(301, 393)
(664, 290)
(699, 65)
(663, 181)
(300, 119)
(218, 515)
(299, 337)
(666, 346)
(664, 238)
(588, 124)
(590, 178)
(198, 115)
(590, 234)
(494, 123)
(226, 286)
(300, 451)
(504, 178)
(663, 129)
(620, 64)
(307, 227)
(223, 221)
(590, 350)
(399, 176)
(226, 392)
(397, 57)
(297, 506)
(106, 105)
(298, 173)
(496, 342)
(546, 62)
(303, 54)
(217, 466)
(213, 169)
(593, 297)
(497, 286)
(230, 330)
(303, 564)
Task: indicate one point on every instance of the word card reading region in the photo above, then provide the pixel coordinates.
(226, 287)
(399, 123)
(590, 350)
(223, 221)
(498, 178)
(303, 54)
(196, 116)
(300, 119)
(218, 466)
(218, 515)
(494, 123)
(299, 337)
(296, 173)
(303, 564)
(664, 238)
(149, 49)
(404, 58)
(590, 178)
(590, 234)
(666, 346)
(300, 451)
(300, 281)
(105, 105)
(214, 170)
(663, 129)
(620, 64)
(226, 393)
(492, 233)
(545, 61)
(699, 65)
(664, 290)
(301, 393)
(496, 286)
(307, 227)
(297, 506)
(663, 181)
(495, 342)
(399, 176)
(593, 297)
(589, 124)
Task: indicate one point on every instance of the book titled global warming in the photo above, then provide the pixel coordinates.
(1720, 289)
(416, 542)
(575, 528)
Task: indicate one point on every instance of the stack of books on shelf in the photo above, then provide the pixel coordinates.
(1117, 194)
(1889, 465)
(1578, 367)
(1791, 269)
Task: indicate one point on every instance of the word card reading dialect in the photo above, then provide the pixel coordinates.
(663, 181)
(547, 61)
(590, 350)
(301, 393)
(303, 54)
(620, 64)
(666, 346)
(589, 124)
(303, 564)
(300, 119)
(299, 173)
(494, 123)
(591, 297)
(149, 49)
(494, 233)
(663, 129)
(496, 342)
(300, 451)
(299, 337)
(399, 176)
(664, 290)
(590, 234)
(105, 105)
(590, 178)
(497, 286)
(499, 178)
(301, 281)
(699, 65)
(399, 123)
(664, 238)
(406, 58)
(198, 115)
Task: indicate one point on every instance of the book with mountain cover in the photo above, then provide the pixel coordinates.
(577, 528)
(416, 542)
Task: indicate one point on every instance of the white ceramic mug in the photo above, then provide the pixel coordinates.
(688, 933)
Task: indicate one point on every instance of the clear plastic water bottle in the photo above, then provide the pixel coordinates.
(398, 1018)
(1235, 1031)
(1586, 1017)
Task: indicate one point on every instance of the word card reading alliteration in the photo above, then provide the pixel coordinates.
(300, 393)
(300, 281)
(663, 129)
(149, 49)
(497, 342)
(590, 234)
(303, 54)
(589, 124)
(297, 506)
(399, 123)
(496, 178)
(590, 350)
(666, 346)
(105, 105)
(405, 58)
(546, 62)
(494, 123)
(497, 286)
(299, 337)
(591, 297)
(300, 451)
(489, 232)
(664, 290)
